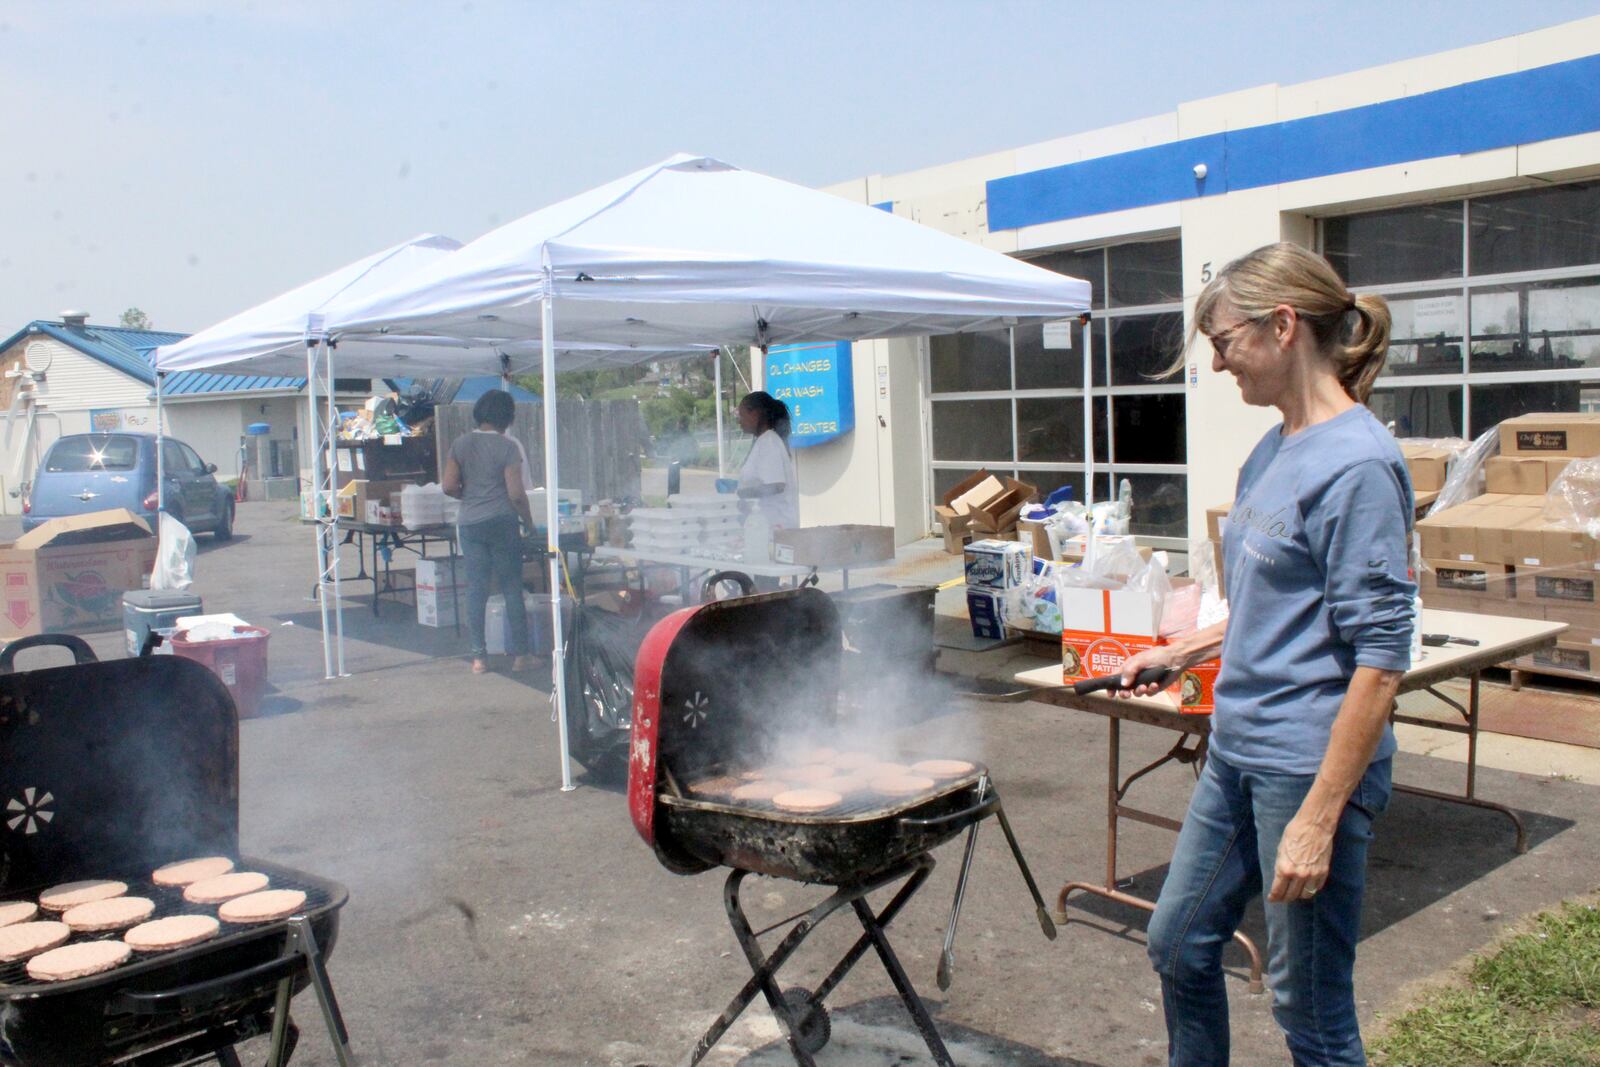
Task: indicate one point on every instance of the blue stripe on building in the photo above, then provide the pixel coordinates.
(1560, 100)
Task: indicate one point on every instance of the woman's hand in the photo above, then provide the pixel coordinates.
(1167, 656)
(1304, 854)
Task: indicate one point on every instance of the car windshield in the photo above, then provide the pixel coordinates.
(93, 452)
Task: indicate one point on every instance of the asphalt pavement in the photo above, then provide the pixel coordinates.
(494, 919)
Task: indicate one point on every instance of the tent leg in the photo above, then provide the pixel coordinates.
(552, 519)
(716, 377)
(161, 467)
(314, 423)
(1088, 422)
(333, 513)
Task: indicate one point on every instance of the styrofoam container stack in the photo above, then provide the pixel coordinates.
(694, 525)
(422, 505)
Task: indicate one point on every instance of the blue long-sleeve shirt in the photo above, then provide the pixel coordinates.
(1315, 557)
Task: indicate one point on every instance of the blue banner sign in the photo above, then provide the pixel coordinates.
(815, 381)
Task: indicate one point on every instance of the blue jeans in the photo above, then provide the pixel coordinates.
(1226, 853)
(493, 553)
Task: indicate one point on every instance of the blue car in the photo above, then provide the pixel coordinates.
(94, 471)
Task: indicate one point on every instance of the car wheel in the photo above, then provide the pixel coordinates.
(224, 528)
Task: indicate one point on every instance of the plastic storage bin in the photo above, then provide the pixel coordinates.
(241, 663)
(144, 610)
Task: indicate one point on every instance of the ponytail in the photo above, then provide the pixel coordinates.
(1363, 357)
(1258, 282)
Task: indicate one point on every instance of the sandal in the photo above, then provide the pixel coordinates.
(521, 663)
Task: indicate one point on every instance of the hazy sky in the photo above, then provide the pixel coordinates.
(195, 157)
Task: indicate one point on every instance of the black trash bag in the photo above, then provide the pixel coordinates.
(599, 673)
(415, 405)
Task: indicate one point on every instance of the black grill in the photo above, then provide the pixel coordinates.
(110, 770)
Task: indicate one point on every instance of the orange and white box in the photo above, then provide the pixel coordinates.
(1101, 628)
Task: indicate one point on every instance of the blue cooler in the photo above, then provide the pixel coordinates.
(144, 610)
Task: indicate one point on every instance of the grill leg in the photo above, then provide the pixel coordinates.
(226, 1057)
(902, 984)
(924, 867)
(303, 942)
(764, 979)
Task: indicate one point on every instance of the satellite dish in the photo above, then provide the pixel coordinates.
(37, 356)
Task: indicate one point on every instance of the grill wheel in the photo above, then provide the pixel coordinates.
(815, 1028)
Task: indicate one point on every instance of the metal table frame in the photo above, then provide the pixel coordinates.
(1501, 639)
(395, 538)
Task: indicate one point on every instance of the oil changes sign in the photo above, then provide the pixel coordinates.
(815, 381)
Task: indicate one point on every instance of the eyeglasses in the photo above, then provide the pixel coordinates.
(1221, 341)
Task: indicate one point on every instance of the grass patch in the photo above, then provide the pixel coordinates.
(1533, 1002)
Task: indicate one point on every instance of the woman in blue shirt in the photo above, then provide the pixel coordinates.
(1318, 637)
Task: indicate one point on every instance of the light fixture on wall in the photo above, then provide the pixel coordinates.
(1200, 172)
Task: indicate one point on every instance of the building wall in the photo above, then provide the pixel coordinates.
(1216, 228)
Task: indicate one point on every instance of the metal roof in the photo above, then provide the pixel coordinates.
(128, 352)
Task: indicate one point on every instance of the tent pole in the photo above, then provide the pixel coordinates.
(722, 456)
(314, 422)
(161, 467)
(333, 511)
(1088, 421)
(552, 519)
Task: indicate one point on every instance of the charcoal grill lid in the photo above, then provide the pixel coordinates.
(743, 673)
(114, 767)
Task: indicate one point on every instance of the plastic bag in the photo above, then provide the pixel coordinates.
(174, 569)
(1465, 478)
(1573, 500)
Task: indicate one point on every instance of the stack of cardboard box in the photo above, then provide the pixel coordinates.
(1498, 554)
(996, 572)
(982, 506)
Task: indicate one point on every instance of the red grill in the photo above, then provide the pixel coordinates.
(744, 689)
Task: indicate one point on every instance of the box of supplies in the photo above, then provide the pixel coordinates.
(997, 564)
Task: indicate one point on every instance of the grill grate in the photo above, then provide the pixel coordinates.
(169, 901)
(857, 806)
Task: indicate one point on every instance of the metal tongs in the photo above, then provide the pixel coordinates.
(947, 958)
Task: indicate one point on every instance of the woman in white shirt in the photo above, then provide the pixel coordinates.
(768, 475)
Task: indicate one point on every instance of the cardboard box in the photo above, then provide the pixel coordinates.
(833, 546)
(989, 611)
(358, 493)
(1562, 547)
(1485, 583)
(974, 492)
(1101, 628)
(1217, 519)
(954, 527)
(1072, 550)
(1555, 468)
(1427, 466)
(1000, 513)
(1037, 536)
(1576, 588)
(435, 573)
(1544, 434)
(436, 606)
(68, 575)
(1569, 657)
(1451, 534)
(997, 564)
(1517, 474)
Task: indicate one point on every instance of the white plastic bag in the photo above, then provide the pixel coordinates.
(174, 556)
(1573, 500)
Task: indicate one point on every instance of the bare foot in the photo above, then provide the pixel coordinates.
(480, 666)
(521, 663)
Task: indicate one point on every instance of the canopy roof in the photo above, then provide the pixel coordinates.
(694, 251)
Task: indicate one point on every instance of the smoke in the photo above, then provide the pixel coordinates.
(767, 685)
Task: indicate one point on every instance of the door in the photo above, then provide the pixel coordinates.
(184, 486)
(207, 496)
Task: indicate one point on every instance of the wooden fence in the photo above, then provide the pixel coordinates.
(599, 443)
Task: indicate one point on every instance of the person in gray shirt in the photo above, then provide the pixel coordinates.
(1316, 642)
(484, 471)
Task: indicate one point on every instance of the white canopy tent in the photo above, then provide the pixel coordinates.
(284, 337)
(694, 251)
